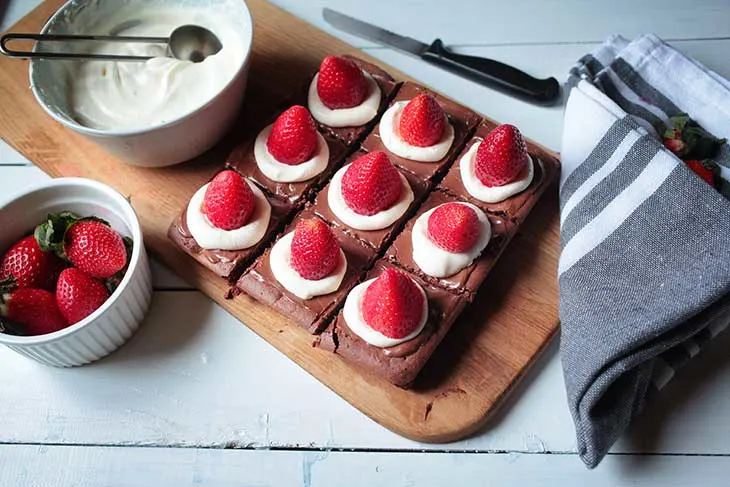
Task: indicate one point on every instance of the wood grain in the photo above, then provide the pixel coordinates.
(479, 362)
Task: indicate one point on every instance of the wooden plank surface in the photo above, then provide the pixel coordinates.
(478, 363)
(142, 467)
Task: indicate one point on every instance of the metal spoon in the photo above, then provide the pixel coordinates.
(187, 43)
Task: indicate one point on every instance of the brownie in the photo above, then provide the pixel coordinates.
(461, 118)
(242, 160)
(313, 314)
(351, 135)
(467, 281)
(402, 363)
(228, 264)
(377, 239)
(516, 207)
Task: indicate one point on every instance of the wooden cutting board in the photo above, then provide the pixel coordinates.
(481, 360)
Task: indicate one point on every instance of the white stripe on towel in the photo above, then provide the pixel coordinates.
(614, 214)
(618, 155)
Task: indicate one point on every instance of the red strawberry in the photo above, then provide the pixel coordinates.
(393, 304)
(341, 83)
(371, 184)
(78, 294)
(229, 202)
(293, 138)
(35, 310)
(705, 169)
(30, 266)
(676, 145)
(315, 251)
(423, 121)
(95, 248)
(88, 243)
(501, 157)
(454, 227)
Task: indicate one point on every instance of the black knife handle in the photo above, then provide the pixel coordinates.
(494, 74)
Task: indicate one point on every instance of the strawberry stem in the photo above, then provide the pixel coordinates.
(698, 142)
(51, 234)
(113, 282)
(7, 285)
(10, 328)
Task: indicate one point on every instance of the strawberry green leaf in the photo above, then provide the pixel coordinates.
(697, 143)
(113, 282)
(128, 244)
(10, 328)
(7, 285)
(680, 121)
(50, 234)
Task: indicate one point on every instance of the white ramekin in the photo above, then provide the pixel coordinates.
(154, 146)
(110, 326)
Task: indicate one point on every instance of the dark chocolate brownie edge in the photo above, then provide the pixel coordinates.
(229, 271)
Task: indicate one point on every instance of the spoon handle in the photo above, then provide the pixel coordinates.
(7, 38)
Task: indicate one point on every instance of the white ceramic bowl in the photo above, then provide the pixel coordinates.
(110, 326)
(154, 146)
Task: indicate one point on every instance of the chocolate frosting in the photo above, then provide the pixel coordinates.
(461, 118)
(468, 279)
(511, 208)
(376, 239)
(399, 364)
(260, 283)
(228, 264)
(350, 136)
(242, 159)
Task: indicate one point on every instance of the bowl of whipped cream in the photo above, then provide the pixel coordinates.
(150, 113)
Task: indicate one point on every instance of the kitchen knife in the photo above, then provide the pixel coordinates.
(487, 72)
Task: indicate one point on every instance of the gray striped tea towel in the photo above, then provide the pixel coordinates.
(644, 271)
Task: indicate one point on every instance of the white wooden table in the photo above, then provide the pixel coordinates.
(197, 399)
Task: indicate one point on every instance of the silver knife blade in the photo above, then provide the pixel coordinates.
(373, 33)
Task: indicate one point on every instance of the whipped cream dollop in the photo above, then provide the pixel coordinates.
(280, 263)
(390, 135)
(352, 313)
(289, 173)
(437, 262)
(126, 95)
(490, 194)
(345, 117)
(208, 236)
(357, 221)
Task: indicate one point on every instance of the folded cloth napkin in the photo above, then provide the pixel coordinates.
(644, 271)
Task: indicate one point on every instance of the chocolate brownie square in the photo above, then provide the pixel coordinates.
(461, 118)
(388, 86)
(242, 159)
(228, 264)
(376, 239)
(402, 363)
(465, 282)
(516, 207)
(313, 314)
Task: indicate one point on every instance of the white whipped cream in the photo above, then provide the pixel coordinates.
(280, 262)
(366, 222)
(289, 173)
(352, 313)
(345, 117)
(490, 194)
(437, 262)
(208, 236)
(126, 95)
(390, 135)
